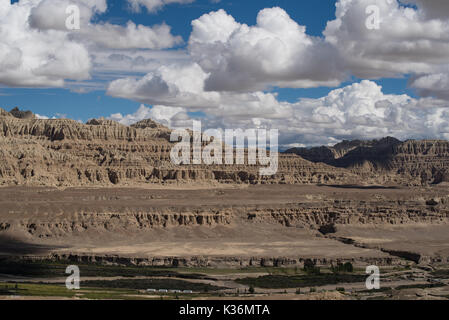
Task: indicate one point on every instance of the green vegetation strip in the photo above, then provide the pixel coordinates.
(314, 280)
(60, 291)
(48, 269)
(142, 284)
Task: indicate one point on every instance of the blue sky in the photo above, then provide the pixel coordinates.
(318, 71)
(82, 106)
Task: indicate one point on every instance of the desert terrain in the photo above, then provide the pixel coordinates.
(106, 197)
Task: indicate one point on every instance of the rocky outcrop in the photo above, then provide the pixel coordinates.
(62, 152)
(78, 223)
(226, 226)
(21, 114)
(427, 160)
(210, 262)
(323, 216)
(148, 124)
(387, 160)
(349, 153)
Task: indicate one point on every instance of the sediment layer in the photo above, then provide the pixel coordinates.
(239, 226)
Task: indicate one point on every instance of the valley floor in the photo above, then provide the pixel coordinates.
(232, 239)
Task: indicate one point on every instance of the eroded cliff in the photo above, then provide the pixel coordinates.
(410, 163)
(102, 152)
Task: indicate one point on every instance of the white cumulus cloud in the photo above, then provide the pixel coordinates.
(37, 49)
(275, 52)
(360, 110)
(29, 57)
(176, 85)
(154, 5)
(131, 36)
(406, 42)
(161, 114)
(437, 9)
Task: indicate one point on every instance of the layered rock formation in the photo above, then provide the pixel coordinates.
(101, 152)
(410, 162)
(238, 226)
(357, 201)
